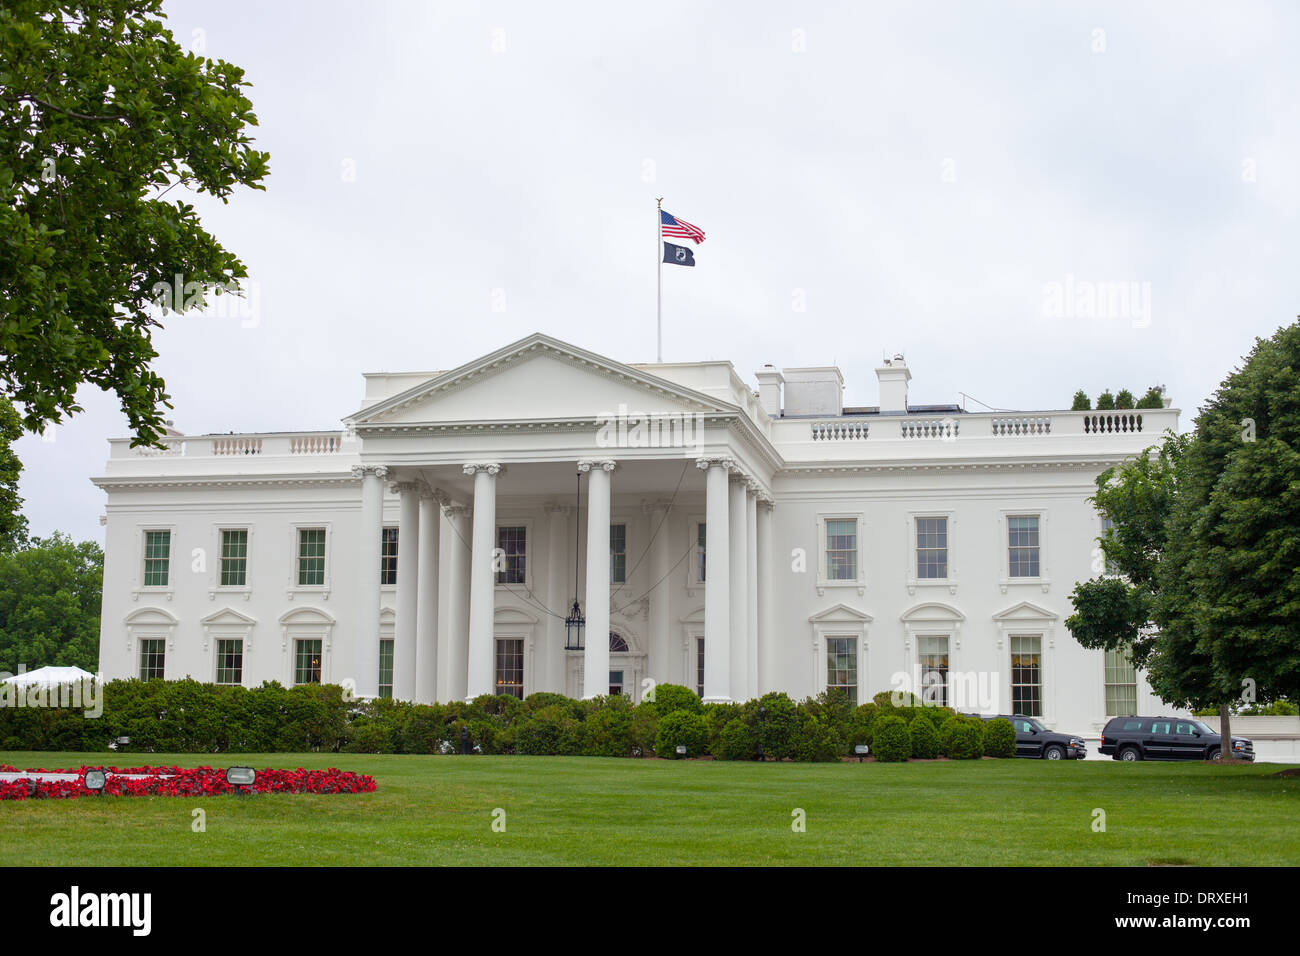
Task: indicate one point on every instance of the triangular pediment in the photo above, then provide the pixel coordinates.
(228, 616)
(537, 378)
(841, 612)
(1025, 611)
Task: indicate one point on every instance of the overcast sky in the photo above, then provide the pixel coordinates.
(447, 177)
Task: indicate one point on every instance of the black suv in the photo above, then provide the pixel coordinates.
(1167, 738)
(1035, 740)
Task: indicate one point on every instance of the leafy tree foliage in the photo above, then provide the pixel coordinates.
(49, 604)
(102, 114)
(13, 526)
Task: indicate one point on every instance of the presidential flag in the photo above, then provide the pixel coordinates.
(670, 225)
(678, 255)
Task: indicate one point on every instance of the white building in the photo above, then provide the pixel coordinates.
(730, 539)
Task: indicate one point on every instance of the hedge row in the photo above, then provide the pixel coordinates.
(186, 716)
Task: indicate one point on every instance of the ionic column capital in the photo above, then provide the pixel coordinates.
(604, 464)
(491, 467)
(360, 471)
(413, 487)
(714, 461)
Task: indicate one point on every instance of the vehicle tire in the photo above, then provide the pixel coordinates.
(1130, 753)
(1053, 752)
(1214, 754)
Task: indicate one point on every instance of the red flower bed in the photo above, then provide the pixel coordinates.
(185, 782)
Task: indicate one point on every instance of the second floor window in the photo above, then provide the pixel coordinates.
(842, 549)
(932, 547)
(700, 539)
(234, 557)
(1121, 685)
(311, 558)
(388, 556)
(618, 553)
(157, 558)
(1022, 545)
(513, 543)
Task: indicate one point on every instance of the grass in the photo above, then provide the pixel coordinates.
(561, 810)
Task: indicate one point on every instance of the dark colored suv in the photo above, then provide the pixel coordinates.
(1167, 738)
(1035, 740)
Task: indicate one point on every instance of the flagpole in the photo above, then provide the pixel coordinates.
(659, 290)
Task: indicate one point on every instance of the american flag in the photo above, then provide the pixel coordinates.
(670, 225)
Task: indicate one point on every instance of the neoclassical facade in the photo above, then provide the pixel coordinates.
(730, 538)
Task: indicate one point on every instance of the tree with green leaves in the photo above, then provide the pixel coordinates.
(13, 526)
(102, 116)
(50, 595)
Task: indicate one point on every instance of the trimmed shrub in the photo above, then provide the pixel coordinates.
(963, 738)
(1106, 401)
(551, 730)
(735, 742)
(817, 741)
(671, 697)
(925, 739)
(681, 728)
(999, 738)
(892, 740)
(1152, 399)
(606, 733)
(776, 728)
(1082, 403)
(1124, 399)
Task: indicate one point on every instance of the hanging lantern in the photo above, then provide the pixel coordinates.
(575, 624)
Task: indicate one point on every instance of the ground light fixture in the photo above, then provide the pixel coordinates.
(241, 778)
(681, 750)
(861, 750)
(94, 780)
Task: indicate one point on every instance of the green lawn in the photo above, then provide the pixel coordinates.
(559, 810)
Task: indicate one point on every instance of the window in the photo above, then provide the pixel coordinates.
(617, 643)
(388, 556)
(234, 558)
(932, 655)
(230, 660)
(699, 663)
(1121, 685)
(1026, 675)
(306, 661)
(311, 559)
(842, 549)
(510, 666)
(386, 667)
(153, 654)
(513, 543)
(618, 553)
(1106, 525)
(700, 539)
(157, 558)
(1022, 543)
(842, 665)
(931, 548)
(615, 683)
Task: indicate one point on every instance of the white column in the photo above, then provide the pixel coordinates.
(366, 677)
(717, 575)
(739, 578)
(751, 589)
(482, 581)
(661, 596)
(559, 596)
(767, 649)
(453, 623)
(408, 560)
(595, 659)
(426, 614)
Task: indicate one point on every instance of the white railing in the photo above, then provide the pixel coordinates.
(838, 431)
(1032, 425)
(264, 445)
(1102, 423)
(928, 428)
(237, 445)
(314, 444)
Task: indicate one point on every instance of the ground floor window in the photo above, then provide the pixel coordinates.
(615, 683)
(1027, 675)
(1121, 685)
(153, 654)
(842, 665)
(510, 666)
(932, 654)
(307, 661)
(230, 660)
(699, 666)
(386, 667)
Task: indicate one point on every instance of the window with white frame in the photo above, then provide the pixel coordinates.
(386, 667)
(842, 666)
(153, 658)
(841, 549)
(234, 557)
(307, 661)
(512, 541)
(230, 660)
(932, 658)
(510, 667)
(1023, 558)
(388, 557)
(618, 554)
(932, 548)
(701, 539)
(311, 558)
(157, 559)
(1027, 674)
(1106, 526)
(699, 665)
(1121, 684)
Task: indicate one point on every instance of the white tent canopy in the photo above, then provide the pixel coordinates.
(50, 676)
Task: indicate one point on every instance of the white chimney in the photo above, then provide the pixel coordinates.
(769, 390)
(893, 376)
(814, 391)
